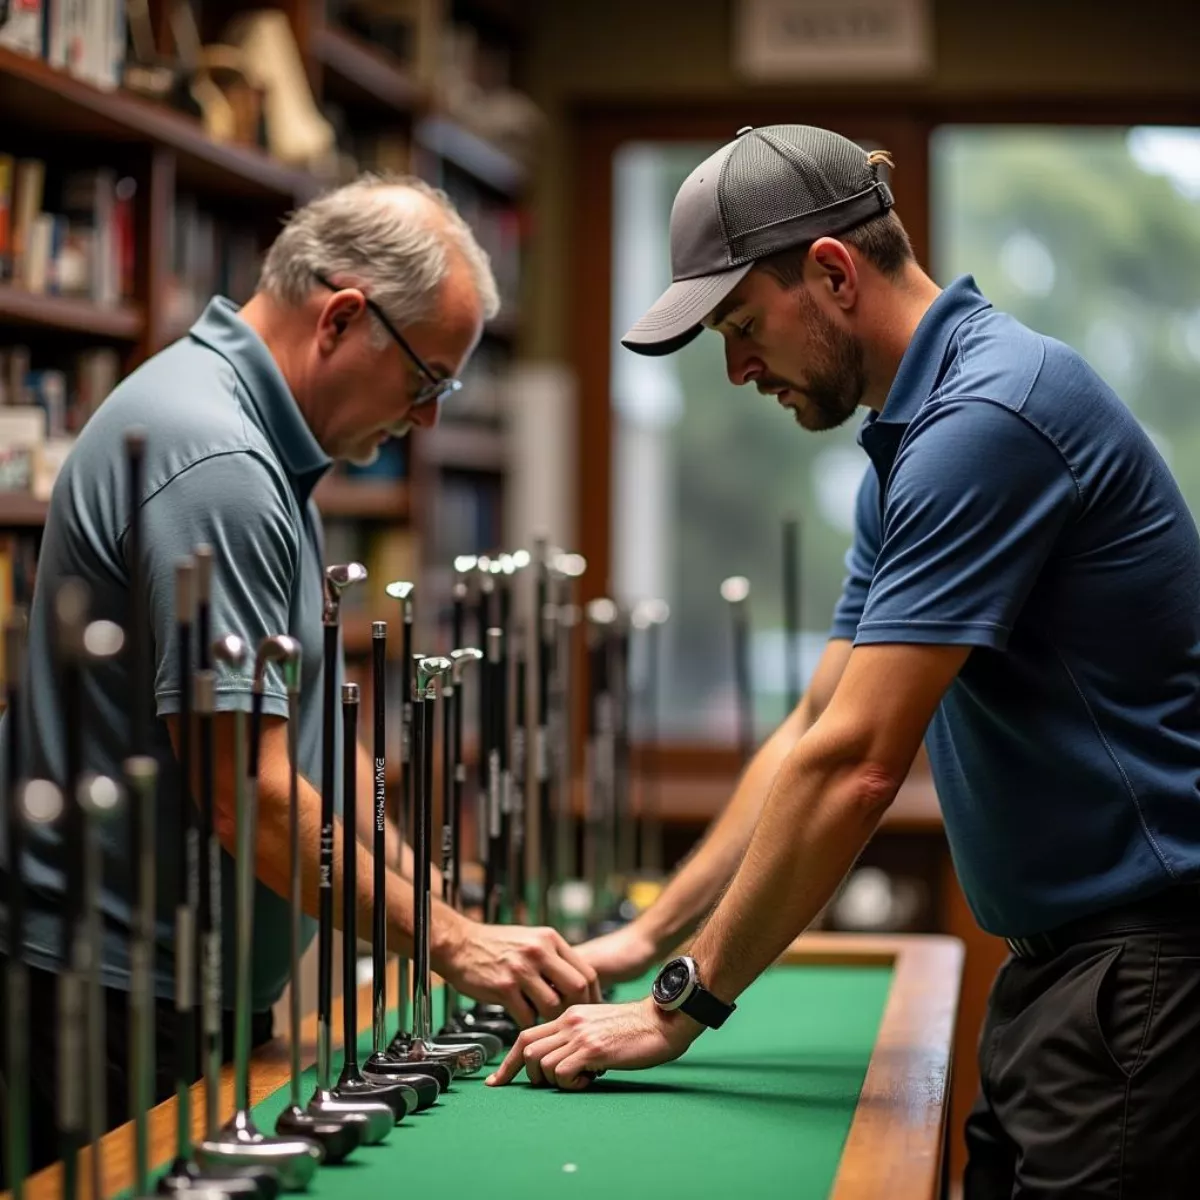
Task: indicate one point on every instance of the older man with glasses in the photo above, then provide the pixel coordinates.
(370, 302)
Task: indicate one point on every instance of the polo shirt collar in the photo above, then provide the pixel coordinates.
(924, 361)
(223, 330)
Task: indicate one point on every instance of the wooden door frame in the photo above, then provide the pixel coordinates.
(902, 122)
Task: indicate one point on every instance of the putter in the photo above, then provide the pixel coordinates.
(622, 843)
(453, 777)
(338, 1133)
(418, 1050)
(239, 1142)
(791, 610)
(467, 1058)
(228, 1178)
(324, 1099)
(380, 1066)
(351, 1083)
(735, 591)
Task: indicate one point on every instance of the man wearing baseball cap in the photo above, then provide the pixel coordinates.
(1023, 594)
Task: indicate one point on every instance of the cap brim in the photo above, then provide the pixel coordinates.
(674, 318)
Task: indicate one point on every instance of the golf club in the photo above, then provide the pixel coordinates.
(648, 617)
(240, 1142)
(735, 591)
(381, 1066)
(338, 1133)
(601, 755)
(544, 617)
(351, 1083)
(454, 776)
(228, 1178)
(324, 1099)
(418, 1049)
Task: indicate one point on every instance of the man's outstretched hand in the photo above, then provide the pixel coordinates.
(588, 1040)
(532, 972)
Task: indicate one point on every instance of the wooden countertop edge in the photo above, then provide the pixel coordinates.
(897, 1137)
(894, 1146)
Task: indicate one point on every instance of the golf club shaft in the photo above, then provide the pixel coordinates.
(519, 781)
(141, 773)
(208, 894)
(420, 857)
(652, 853)
(349, 877)
(503, 737)
(450, 706)
(246, 809)
(404, 801)
(185, 960)
(791, 609)
(494, 725)
(379, 914)
(541, 748)
(622, 803)
(293, 739)
(325, 907)
(745, 697)
(17, 976)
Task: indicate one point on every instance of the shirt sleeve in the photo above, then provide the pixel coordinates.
(860, 559)
(975, 503)
(235, 504)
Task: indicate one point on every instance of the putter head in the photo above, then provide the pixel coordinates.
(294, 1160)
(374, 1119)
(429, 669)
(230, 650)
(735, 589)
(461, 659)
(569, 565)
(399, 589)
(338, 578)
(276, 649)
(102, 640)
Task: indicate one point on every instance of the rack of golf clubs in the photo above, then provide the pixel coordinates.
(413, 1067)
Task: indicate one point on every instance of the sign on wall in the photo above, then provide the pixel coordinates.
(801, 40)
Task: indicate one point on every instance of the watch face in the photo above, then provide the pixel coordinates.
(672, 981)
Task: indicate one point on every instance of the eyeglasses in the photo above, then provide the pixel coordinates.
(435, 389)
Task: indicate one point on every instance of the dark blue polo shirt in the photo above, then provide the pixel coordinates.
(1017, 506)
(230, 462)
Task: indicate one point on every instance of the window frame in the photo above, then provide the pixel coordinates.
(905, 126)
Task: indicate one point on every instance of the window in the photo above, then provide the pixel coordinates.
(1090, 235)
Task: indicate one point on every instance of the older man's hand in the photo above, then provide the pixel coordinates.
(587, 1040)
(532, 972)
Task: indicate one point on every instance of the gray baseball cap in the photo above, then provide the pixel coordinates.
(767, 190)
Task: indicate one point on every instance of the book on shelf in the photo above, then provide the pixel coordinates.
(68, 234)
(209, 256)
(85, 38)
(68, 391)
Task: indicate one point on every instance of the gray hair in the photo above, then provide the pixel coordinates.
(355, 234)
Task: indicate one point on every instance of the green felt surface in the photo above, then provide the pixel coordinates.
(761, 1107)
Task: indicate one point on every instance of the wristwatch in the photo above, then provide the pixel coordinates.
(678, 985)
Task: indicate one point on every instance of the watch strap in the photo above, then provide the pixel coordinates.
(704, 1007)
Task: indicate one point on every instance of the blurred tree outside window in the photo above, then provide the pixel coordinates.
(1090, 235)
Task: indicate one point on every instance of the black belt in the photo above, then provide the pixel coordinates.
(1173, 906)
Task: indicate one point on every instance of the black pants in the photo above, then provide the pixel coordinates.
(43, 1059)
(1089, 1064)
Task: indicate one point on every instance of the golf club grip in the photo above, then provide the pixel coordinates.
(379, 865)
(139, 632)
(349, 871)
(741, 663)
(420, 855)
(518, 777)
(325, 899)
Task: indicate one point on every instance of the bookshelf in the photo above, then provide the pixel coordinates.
(119, 322)
(199, 201)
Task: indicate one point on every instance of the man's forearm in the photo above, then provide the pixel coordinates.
(697, 884)
(818, 817)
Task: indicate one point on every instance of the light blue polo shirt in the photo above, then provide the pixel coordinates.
(1016, 506)
(230, 463)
